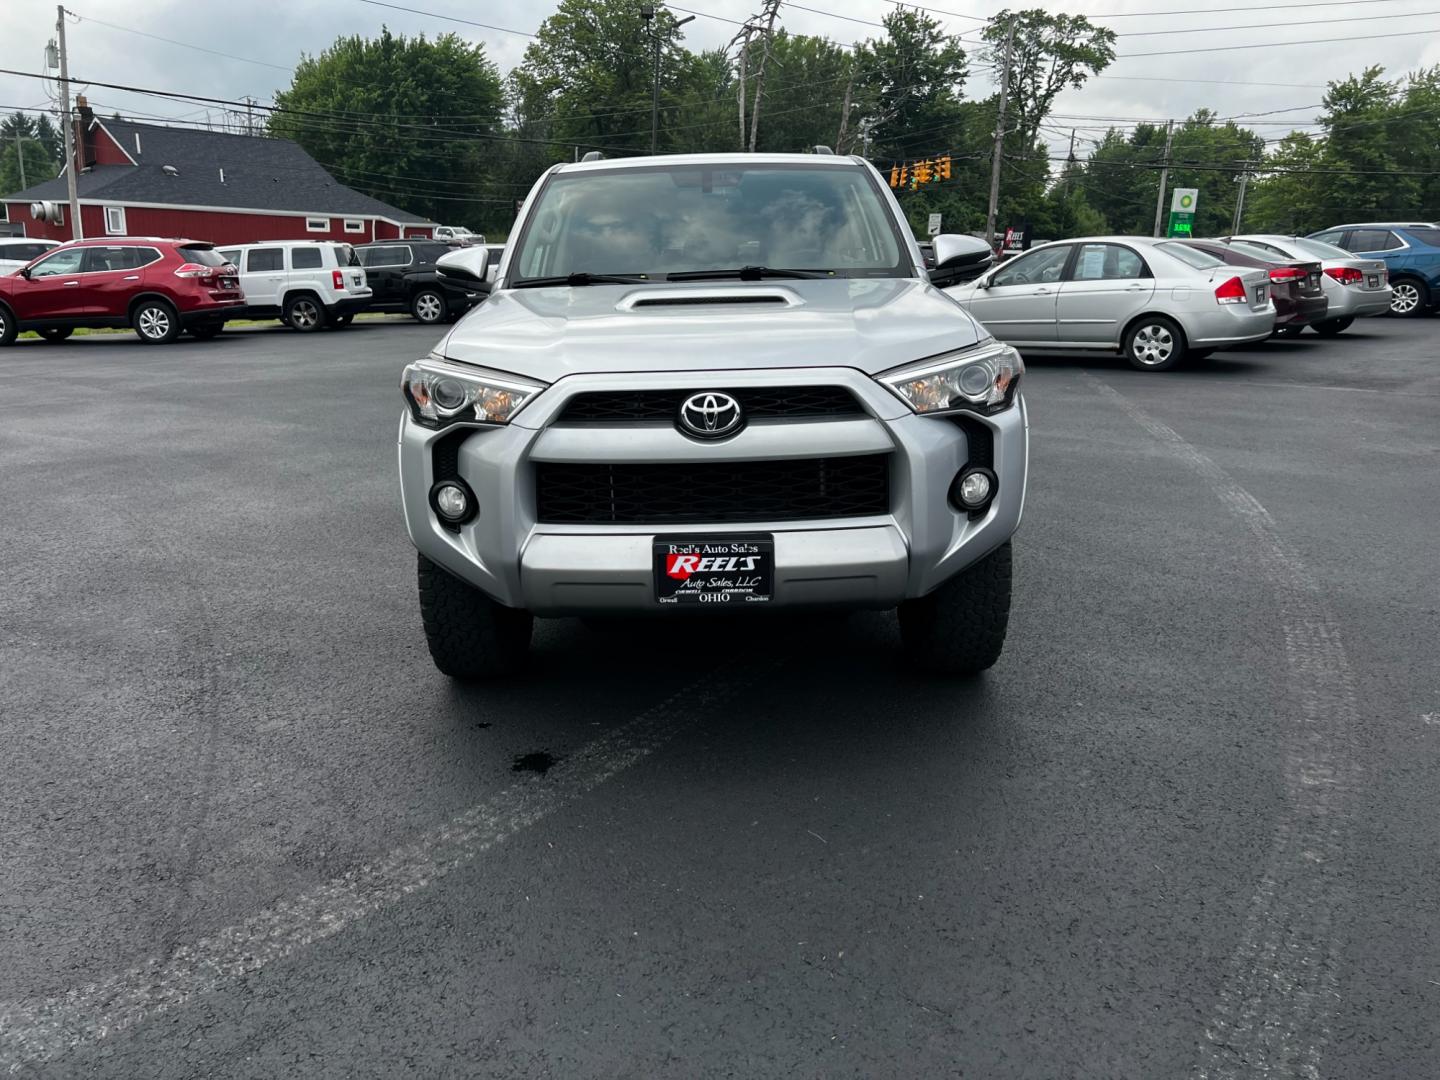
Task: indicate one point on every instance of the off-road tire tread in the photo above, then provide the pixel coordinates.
(959, 629)
(470, 636)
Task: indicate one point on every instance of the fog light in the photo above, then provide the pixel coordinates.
(453, 502)
(973, 488)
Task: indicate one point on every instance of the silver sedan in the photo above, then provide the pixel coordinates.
(1155, 301)
(1357, 287)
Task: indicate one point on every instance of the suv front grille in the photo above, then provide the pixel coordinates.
(718, 492)
(756, 403)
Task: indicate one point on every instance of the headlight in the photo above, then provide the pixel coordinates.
(441, 393)
(980, 379)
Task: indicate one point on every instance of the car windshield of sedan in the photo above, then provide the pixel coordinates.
(656, 221)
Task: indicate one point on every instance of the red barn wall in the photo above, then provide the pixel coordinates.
(216, 226)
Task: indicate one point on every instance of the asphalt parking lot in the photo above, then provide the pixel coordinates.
(1187, 826)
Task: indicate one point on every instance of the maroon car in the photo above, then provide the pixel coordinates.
(159, 288)
(1295, 287)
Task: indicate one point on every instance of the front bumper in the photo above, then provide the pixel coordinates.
(864, 562)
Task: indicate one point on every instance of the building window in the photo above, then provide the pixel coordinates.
(115, 220)
(317, 224)
(353, 226)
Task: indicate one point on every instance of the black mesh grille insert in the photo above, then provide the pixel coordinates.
(728, 491)
(756, 403)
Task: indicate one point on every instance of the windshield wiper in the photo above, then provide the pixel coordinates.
(745, 273)
(582, 277)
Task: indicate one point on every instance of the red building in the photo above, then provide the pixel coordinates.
(150, 180)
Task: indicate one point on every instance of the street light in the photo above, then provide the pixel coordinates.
(647, 13)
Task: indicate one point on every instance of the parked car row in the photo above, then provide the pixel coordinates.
(1160, 301)
(161, 287)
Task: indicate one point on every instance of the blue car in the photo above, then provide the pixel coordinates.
(1410, 250)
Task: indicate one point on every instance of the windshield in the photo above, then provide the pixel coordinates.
(662, 220)
(1320, 249)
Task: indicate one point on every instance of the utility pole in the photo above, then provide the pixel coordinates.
(1240, 200)
(772, 8)
(77, 231)
(999, 151)
(20, 157)
(744, 47)
(1164, 177)
(845, 111)
(651, 16)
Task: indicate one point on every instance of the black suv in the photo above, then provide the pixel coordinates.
(402, 277)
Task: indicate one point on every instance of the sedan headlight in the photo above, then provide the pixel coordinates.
(979, 379)
(440, 392)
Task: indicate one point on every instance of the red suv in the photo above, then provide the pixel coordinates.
(157, 287)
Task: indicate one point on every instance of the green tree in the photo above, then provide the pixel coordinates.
(20, 141)
(909, 85)
(588, 75)
(404, 119)
(1288, 202)
(38, 165)
(1211, 157)
(1048, 54)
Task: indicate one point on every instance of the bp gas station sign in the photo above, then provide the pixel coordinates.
(1182, 211)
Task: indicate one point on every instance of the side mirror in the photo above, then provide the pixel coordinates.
(24, 272)
(465, 266)
(960, 258)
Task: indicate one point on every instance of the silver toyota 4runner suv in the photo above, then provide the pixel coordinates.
(707, 383)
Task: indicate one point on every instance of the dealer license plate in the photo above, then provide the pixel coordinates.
(1373, 281)
(733, 570)
(1260, 295)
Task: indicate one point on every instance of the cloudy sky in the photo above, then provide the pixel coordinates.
(253, 44)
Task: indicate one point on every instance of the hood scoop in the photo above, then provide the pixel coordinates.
(710, 296)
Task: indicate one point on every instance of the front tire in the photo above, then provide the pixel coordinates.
(7, 326)
(470, 636)
(428, 307)
(1154, 343)
(959, 629)
(155, 322)
(304, 313)
(56, 333)
(1331, 327)
(1408, 298)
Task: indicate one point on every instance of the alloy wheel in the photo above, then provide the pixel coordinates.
(1153, 345)
(154, 323)
(428, 308)
(304, 314)
(1405, 299)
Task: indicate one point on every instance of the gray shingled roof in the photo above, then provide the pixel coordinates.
(260, 174)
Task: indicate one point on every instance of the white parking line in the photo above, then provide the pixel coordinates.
(39, 1031)
(1279, 987)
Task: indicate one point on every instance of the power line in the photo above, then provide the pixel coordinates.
(1274, 26)
(1276, 44)
(183, 44)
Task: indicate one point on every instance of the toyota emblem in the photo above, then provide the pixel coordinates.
(710, 415)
